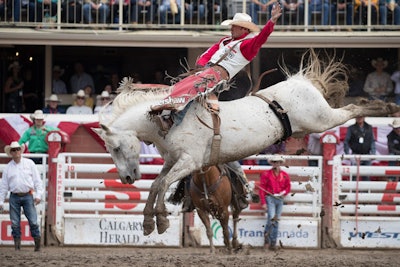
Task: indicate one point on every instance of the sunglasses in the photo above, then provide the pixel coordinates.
(79, 97)
(105, 98)
(15, 149)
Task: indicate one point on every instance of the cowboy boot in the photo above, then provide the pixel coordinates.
(187, 204)
(37, 243)
(17, 243)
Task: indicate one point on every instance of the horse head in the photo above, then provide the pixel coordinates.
(124, 148)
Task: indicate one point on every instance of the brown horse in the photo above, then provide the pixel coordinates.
(212, 194)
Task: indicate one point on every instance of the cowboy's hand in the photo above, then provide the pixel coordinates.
(276, 12)
(37, 201)
(264, 206)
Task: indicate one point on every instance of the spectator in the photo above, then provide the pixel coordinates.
(31, 92)
(396, 79)
(293, 6)
(361, 11)
(263, 6)
(378, 84)
(319, 6)
(172, 6)
(48, 8)
(217, 11)
(80, 79)
(159, 78)
(126, 4)
(2, 11)
(71, 11)
(314, 147)
(59, 86)
(89, 98)
(35, 136)
(13, 89)
(101, 8)
(393, 143)
(360, 139)
(114, 81)
(22, 179)
(52, 105)
(386, 7)
(195, 5)
(274, 186)
(347, 6)
(79, 106)
(146, 7)
(104, 99)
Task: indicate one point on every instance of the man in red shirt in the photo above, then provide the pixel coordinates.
(220, 62)
(274, 186)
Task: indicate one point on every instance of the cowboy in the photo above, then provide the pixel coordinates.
(36, 135)
(221, 62)
(22, 179)
(52, 105)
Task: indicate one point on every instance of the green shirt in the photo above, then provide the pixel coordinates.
(36, 138)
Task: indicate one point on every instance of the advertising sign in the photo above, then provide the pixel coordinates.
(293, 232)
(119, 230)
(381, 233)
(6, 237)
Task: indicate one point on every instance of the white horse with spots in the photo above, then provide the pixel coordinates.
(247, 126)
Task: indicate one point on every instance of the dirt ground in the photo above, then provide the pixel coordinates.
(196, 257)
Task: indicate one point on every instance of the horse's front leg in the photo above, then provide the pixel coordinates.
(148, 212)
(180, 170)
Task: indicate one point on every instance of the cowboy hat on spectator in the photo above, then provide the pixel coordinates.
(242, 20)
(379, 60)
(395, 124)
(80, 93)
(53, 98)
(15, 64)
(276, 158)
(104, 94)
(14, 144)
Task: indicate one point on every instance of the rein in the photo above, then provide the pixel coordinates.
(207, 190)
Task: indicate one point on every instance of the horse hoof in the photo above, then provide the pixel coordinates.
(148, 226)
(162, 224)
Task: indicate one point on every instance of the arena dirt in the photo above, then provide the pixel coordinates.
(196, 257)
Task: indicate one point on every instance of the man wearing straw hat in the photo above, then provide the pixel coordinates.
(274, 186)
(36, 135)
(22, 179)
(52, 105)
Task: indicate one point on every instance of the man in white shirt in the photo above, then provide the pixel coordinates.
(80, 107)
(22, 179)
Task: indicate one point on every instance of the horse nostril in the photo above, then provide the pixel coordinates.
(129, 180)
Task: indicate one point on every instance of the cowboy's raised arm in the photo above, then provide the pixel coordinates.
(276, 12)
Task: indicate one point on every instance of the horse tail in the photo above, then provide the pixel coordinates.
(327, 74)
(176, 198)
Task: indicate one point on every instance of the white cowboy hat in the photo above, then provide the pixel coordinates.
(57, 68)
(242, 20)
(395, 124)
(104, 94)
(14, 144)
(80, 93)
(37, 115)
(374, 62)
(53, 98)
(276, 158)
(14, 64)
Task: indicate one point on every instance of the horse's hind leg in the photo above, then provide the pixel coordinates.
(205, 218)
(224, 219)
(235, 242)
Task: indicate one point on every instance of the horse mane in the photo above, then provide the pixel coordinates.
(130, 94)
(327, 74)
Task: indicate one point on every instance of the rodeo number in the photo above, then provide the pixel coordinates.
(71, 168)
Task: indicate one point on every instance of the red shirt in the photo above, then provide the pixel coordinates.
(248, 47)
(273, 184)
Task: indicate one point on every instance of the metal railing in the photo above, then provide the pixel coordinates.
(194, 15)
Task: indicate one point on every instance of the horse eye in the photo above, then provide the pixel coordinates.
(116, 150)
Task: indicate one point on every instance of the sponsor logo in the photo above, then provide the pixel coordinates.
(377, 234)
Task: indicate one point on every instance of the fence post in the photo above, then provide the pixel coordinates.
(329, 141)
(56, 141)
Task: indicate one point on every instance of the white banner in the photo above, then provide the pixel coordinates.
(374, 233)
(293, 232)
(119, 230)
